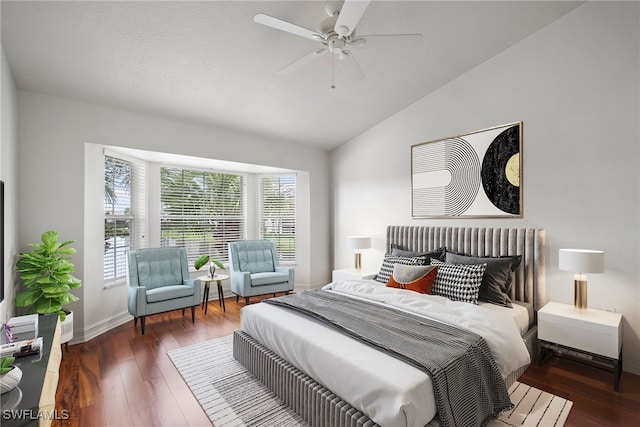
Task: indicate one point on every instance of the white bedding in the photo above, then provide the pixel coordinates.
(389, 391)
(518, 313)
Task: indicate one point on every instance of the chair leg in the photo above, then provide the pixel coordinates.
(237, 297)
(135, 322)
(183, 312)
(142, 324)
(246, 300)
(193, 314)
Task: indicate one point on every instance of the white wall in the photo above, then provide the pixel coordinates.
(57, 136)
(8, 146)
(575, 85)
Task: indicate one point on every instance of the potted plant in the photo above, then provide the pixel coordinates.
(213, 263)
(47, 273)
(10, 375)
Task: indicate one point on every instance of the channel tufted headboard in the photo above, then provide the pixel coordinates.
(529, 285)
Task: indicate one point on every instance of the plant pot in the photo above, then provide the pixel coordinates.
(10, 380)
(66, 328)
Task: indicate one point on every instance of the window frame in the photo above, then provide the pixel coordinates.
(130, 219)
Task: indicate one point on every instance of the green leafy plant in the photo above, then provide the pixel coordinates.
(47, 273)
(203, 260)
(6, 364)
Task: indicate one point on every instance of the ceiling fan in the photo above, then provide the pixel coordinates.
(337, 35)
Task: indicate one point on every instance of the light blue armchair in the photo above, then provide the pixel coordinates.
(159, 281)
(254, 269)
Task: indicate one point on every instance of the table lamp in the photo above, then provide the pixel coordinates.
(581, 261)
(357, 243)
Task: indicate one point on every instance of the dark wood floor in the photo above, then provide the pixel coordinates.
(122, 378)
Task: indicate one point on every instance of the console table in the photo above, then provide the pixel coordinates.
(32, 403)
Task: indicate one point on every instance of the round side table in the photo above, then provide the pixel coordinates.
(207, 283)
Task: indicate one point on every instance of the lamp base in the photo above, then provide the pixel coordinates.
(358, 260)
(580, 292)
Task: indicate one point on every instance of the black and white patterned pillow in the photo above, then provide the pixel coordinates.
(458, 282)
(386, 269)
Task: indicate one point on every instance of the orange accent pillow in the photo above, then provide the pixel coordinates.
(417, 278)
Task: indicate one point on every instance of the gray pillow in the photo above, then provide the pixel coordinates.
(386, 269)
(497, 278)
(437, 254)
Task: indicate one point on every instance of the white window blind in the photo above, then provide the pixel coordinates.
(125, 214)
(202, 211)
(278, 214)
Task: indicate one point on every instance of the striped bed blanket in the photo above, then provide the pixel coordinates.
(468, 387)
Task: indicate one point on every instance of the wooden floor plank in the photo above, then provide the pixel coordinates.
(117, 411)
(92, 415)
(146, 389)
(89, 379)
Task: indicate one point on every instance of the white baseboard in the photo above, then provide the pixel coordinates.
(631, 366)
(100, 328)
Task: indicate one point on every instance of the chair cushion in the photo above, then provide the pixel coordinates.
(269, 278)
(159, 267)
(257, 259)
(168, 292)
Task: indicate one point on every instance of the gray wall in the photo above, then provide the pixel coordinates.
(575, 85)
(58, 137)
(8, 173)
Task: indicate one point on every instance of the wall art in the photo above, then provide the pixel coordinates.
(475, 175)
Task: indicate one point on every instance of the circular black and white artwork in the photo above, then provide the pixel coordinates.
(472, 175)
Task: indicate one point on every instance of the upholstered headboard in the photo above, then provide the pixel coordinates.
(529, 243)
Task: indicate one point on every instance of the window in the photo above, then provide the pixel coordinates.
(202, 211)
(278, 214)
(124, 210)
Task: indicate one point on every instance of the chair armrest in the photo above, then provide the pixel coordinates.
(196, 285)
(291, 272)
(137, 300)
(240, 282)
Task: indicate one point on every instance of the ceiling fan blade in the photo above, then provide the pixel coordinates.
(288, 27)
(349, 16)
(308, 58)
(388, 41)
(348, 66)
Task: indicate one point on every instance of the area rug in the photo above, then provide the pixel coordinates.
(231, 396)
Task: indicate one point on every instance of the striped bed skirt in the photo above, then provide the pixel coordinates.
(315, 404)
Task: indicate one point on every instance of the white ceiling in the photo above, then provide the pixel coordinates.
(207, 62)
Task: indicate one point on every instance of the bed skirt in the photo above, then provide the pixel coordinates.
(318, 406)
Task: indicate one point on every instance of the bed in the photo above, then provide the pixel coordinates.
(330, 378)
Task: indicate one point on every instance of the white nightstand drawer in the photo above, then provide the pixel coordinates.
(595, 331)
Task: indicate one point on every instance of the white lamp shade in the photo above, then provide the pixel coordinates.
(581, 260)
(359, 242)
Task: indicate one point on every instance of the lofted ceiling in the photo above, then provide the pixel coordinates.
(207, 62)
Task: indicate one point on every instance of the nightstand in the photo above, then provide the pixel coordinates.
(595, 335)
(352, 274)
